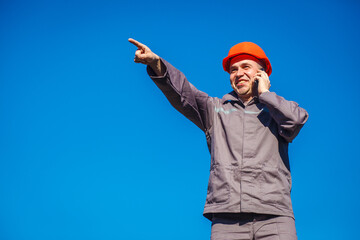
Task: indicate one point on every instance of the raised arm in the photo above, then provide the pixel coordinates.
(182, 95)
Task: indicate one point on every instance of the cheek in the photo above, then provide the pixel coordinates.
(251, 74)
(232, 78)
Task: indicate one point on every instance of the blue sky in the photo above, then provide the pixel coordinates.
(91, 149)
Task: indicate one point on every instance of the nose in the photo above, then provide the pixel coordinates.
(239, 72)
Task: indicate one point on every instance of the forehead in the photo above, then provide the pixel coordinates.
(244, 62)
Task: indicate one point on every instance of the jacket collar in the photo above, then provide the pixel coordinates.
(233, 97)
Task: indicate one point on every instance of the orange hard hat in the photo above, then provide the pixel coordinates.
(248, 48)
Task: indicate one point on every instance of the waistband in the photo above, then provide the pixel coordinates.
(243, 216)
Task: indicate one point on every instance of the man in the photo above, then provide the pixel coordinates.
(247, 132)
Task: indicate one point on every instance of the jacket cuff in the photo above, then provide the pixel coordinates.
(267, 97)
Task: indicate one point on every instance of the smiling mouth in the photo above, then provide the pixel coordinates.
(240, 82)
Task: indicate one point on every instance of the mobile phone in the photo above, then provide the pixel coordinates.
(256, 84)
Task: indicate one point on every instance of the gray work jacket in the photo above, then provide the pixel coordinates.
(250, 169)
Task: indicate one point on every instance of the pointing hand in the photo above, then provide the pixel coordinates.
(143, 54)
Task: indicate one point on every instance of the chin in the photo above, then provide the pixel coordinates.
(242, 92)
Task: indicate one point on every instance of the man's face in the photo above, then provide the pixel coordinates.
(242, 77)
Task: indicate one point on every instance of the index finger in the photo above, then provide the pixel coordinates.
(136, 43)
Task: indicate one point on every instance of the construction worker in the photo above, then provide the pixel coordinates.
(247, 131)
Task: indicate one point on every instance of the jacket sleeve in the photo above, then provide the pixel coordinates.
(182, 95)
(287, 114)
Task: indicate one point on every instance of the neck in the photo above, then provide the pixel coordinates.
(245, 99)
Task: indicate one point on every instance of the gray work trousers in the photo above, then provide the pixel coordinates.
(249, 226)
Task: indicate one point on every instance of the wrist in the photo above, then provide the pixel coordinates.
(157, 67)
(154, 62)
(263, 91)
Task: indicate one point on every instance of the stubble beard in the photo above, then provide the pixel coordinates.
(243, 93)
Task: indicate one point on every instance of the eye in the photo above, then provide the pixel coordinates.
(233, 70)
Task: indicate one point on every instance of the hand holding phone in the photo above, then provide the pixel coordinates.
(264, 85)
